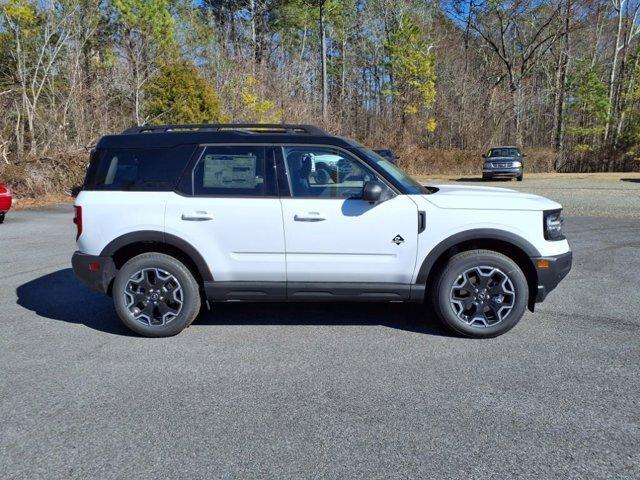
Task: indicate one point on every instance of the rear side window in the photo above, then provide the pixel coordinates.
(234, 170)
(137, 169)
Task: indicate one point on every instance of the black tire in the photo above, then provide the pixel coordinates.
(2, 217)
(188, 293)
(485, 178)
(453, 272)
(519, 178)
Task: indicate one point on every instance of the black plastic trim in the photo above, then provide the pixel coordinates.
(549, 278)
(161, 237)
(348, 291)
(97, 280)
(246, 291)
(312, 292)
(475, 234)
(422, 221)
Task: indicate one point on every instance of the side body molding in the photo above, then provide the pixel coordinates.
(469, 235)
(160, 237)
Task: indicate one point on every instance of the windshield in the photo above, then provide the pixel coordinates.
(504, 152)
(410, 185)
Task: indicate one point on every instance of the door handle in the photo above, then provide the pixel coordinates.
(309, 217)
(199, 216)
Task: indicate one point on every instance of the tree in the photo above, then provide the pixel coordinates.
(589, 105)
(144, 34)
(519, 33)
(39, 36)
(178, 94)
(412, 61)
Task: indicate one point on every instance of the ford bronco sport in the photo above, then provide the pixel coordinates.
(171, 216)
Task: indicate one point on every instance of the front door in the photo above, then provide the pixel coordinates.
(331, 234)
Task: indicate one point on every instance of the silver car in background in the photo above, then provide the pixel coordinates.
(503, 162)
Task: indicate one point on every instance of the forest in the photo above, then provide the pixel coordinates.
(438, 81)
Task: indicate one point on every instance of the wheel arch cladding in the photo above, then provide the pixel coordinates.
(131, 244)
(509, 244)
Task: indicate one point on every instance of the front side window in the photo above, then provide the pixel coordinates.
(231, 171)
(325, 172)
(408, 184)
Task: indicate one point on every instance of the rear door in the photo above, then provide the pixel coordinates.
(230, 212)
(331, 234)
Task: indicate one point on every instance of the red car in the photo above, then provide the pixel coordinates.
(5, 201)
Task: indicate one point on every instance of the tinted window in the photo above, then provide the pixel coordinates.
(137, 169)
(325, 172)
(232, 171)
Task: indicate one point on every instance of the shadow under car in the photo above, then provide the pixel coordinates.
(60, 296)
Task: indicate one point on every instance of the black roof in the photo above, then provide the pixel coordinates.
(165, 136)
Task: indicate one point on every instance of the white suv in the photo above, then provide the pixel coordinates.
(170, 216)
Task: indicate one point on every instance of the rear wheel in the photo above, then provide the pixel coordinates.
(156, 295)
(480, 293)
(2, 217)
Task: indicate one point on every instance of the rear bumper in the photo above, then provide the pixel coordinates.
(95, 271)
(549, 278)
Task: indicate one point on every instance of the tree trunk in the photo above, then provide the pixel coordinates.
(323, 63)
(516, 93)
(614, 68)
(561, 84)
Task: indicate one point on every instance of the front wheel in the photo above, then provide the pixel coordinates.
(519, 178)
(480, 293)
(1, 217)
(156, 295)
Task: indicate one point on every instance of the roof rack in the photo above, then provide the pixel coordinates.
(224, 127)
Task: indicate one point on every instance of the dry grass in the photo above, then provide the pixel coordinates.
(51, 199)
(40, 177)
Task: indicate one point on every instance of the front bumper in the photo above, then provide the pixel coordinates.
(95, 271)
(549, 278)
(502, 172)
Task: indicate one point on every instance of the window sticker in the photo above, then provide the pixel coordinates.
(230, 171)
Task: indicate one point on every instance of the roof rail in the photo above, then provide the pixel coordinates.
(222, 127)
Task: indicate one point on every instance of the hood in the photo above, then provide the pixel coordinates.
(488, 198)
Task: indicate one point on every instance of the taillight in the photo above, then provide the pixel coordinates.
(77, 219)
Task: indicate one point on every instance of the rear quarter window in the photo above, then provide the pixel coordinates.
(137, 169)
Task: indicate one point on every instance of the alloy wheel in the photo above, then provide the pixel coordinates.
(153, 296)
(482, 296)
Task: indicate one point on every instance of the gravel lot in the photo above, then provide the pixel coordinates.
(324, 391)
(601, 195)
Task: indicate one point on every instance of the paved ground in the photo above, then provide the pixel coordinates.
(317, 391)
(600, 194)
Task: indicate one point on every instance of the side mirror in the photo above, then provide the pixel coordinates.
(372, 191)
(524, 155)
(484, 156)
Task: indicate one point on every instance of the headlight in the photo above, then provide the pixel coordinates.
(552, 225)
(517, 164)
